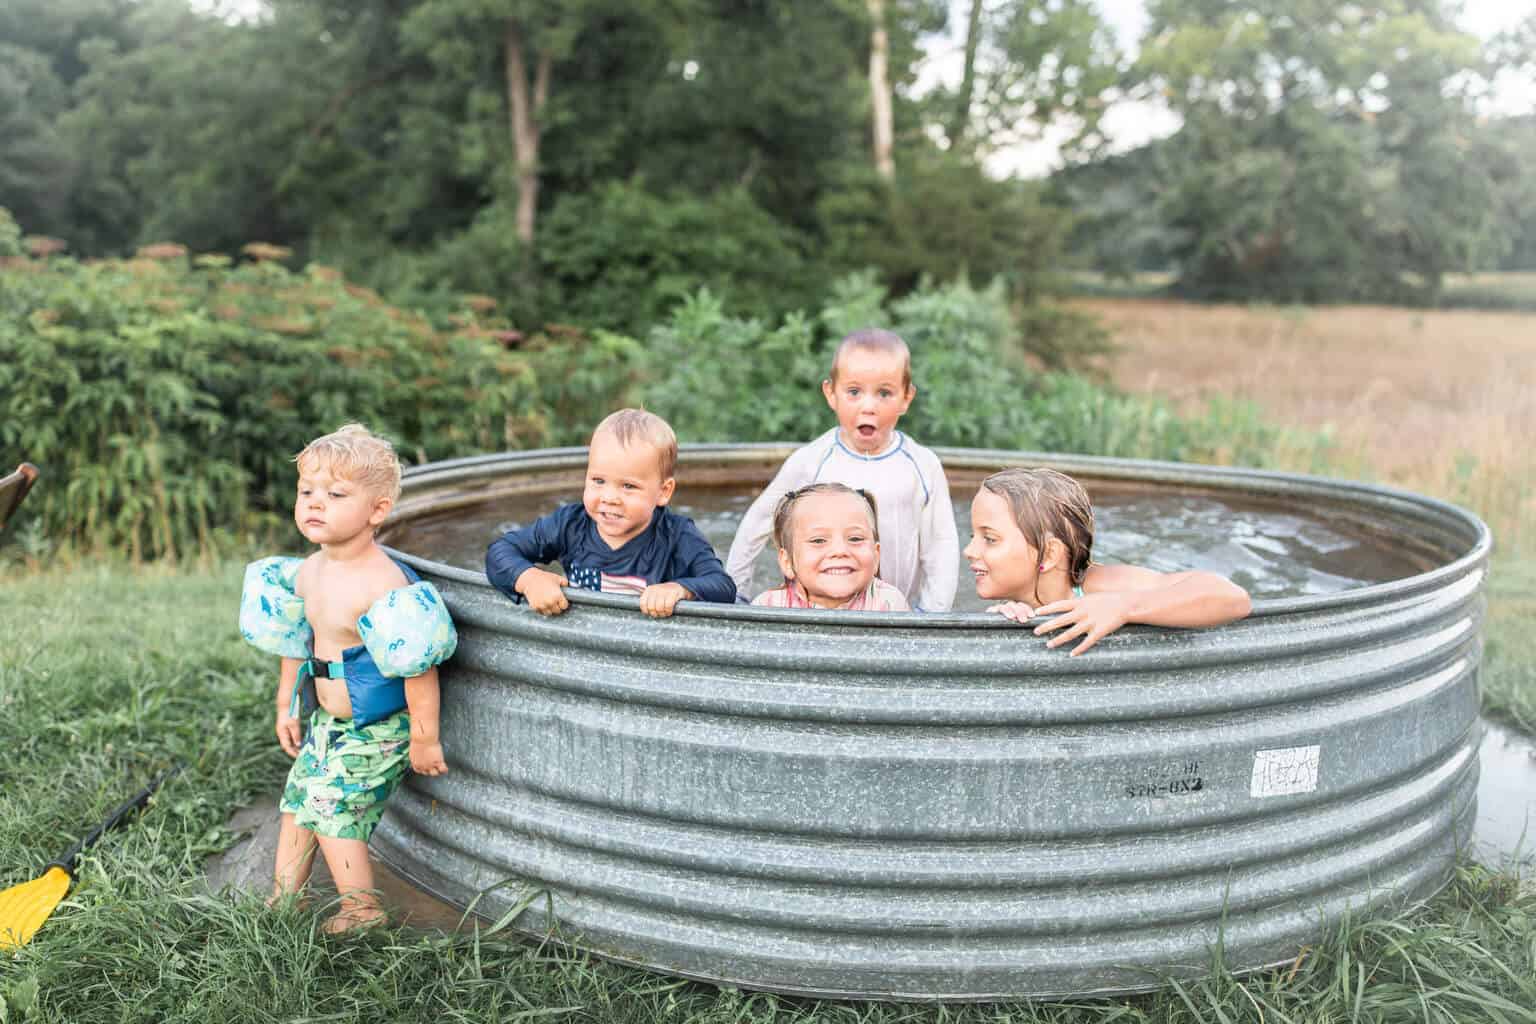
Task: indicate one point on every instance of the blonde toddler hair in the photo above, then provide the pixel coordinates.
(875, 339)
(1047, 504)
(630, 426)
(784, 511)
(356, 453)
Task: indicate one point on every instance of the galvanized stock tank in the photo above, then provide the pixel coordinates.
(935, 806)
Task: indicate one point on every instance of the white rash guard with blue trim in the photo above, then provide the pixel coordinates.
(919, 545)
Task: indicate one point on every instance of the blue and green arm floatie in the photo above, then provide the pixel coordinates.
(404, 633)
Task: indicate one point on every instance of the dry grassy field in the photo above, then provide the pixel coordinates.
(1442, 402)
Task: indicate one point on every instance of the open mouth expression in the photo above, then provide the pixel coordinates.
(869, 395)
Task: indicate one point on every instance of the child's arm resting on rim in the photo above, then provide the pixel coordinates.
(541, 589)
(511, 563)
(700, 576)
(422, 699)
(1121, 594)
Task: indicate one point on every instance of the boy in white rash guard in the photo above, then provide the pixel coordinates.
(869, 389)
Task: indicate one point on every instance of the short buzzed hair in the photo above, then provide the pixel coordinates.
(631, 425)
(875, 339)
(356, 453)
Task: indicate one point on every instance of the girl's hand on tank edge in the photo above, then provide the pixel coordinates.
(1018, 611)
(427, 758)
(289, 733)
(542, 591)
(1092, 617)
(659, 599)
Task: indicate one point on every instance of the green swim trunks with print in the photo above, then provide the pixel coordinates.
(343, 774)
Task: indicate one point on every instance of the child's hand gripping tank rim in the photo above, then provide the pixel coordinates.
(404, 633)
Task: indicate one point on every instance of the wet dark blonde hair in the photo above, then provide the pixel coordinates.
(358, 454)
(1049, 504)
(784, 511)
(629, 426)
(873, 339)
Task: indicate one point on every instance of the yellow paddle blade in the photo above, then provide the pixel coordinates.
(24, 907)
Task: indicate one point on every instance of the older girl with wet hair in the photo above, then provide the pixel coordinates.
(1031, 547)
(829, 552)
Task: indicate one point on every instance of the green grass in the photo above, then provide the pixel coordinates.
(1507, 290)
(107, 675)
(1509, 659)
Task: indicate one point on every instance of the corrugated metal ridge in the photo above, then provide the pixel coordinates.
(957, 864)
(1042, 698)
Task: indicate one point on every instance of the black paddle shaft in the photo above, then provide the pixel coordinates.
(127, 807)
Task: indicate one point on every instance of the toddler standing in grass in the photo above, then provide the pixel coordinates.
(1031, 549)
(360, 637)
(869, 389)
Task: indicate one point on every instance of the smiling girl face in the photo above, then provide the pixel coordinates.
(832, 554)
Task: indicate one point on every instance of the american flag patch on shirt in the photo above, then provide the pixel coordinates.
(595, 579)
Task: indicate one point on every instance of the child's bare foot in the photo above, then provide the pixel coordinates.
(357, 919)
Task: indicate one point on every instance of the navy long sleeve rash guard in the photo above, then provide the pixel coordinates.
(671, 550)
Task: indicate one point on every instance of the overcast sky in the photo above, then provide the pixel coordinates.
(1130, 124)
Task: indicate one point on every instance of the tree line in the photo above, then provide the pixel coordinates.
(595, 160)
(1328, 152)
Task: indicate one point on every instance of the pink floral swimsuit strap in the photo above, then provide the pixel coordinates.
(868, 601)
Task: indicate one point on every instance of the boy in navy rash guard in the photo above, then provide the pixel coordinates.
(621, 538)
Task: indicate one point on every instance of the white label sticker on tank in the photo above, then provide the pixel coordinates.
(1284, 771)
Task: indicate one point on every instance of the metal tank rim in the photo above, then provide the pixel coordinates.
(1268, 484)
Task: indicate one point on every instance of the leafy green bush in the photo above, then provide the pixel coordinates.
(971, 388)
(582, 377)
(1059, 338)
(165, 401)
(164, 398)
(485, 258)
(618, 258)
(10, 235)
(944, 218)
(621, 257)
(723, 378)
(1073, 414)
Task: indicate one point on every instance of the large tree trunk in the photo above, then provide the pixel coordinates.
(961, 118)
(525, 125)
(880, 90)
